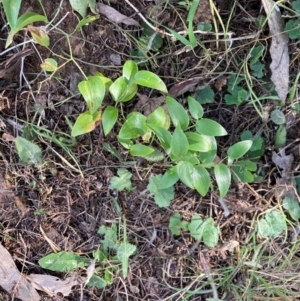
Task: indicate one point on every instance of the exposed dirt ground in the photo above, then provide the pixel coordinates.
(56, 203)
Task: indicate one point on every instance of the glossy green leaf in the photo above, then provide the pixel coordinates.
(49, 65)
(272, 225)
(109, 118)
(134, 126)
(28, 152)
(210, 127)
(191, 158)
(11, 9)
(130, 68)
(160, 118)
(150, 80)
(258, 146)
(239, 149)
(223, 178)
(126, 143)
(28, 18)
(162, 134)
(169, 178)
(195, 108)
(63, 261)
(93, 92)
(85, 123)
(121, 91)
(198, 143)
(106, 81)
(22, 22)
(162, 197)
(85, 21)
(201, 180)
(141, 150)
(209, 156)
(177, 113)
(155, 156)
(210, 233)
(185, 172)
(179, 143)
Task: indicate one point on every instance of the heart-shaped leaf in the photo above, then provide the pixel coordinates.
(150, 80)
(195, 108)
(85, 123)
(185, 172)
(130, 68)
(177, 113)
(109, 118)
(93, 92)
(201, 180)
(179, 143)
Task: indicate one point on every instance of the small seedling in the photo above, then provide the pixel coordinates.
(292, 27)
(292, 206)
(28, 152)
(163, 192)
(236, 93)
(255, 65)
(279, 119)
(122, 181)
(11, 9)
(272, 225)
(112, 253)
(199, 229)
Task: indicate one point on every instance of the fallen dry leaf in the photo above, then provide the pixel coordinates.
(285, 185)
(184, 86)
(220, 83)
(278, 50)
(147, 105)
(230, 246)
(90, 270)
(52, 285)
(7, 196)
(13, 281)
(8, 137)
(115, 16)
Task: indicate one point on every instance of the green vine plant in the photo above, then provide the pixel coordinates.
(183, 139)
